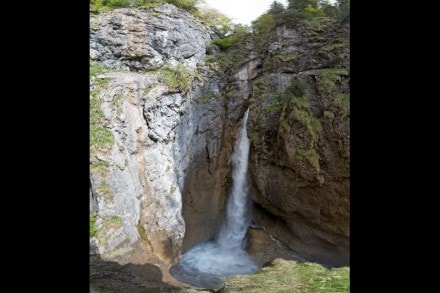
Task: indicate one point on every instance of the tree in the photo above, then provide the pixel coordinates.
(276, 8)
(329, 9)
(301, 5)
(264, 24)
(344, 10)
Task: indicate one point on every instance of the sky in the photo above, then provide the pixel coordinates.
(243, 11)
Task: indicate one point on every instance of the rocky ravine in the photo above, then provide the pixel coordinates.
(162, 131)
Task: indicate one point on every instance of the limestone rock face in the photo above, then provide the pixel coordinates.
(147, 39)
(147, 128)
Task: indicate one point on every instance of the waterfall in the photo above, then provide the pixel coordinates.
(234, 229)
(207, 261)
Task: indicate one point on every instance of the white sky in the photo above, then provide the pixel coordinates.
(243, 11)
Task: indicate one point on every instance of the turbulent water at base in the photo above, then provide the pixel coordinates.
(206, 263)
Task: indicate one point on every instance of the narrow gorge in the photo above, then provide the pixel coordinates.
(214, 152)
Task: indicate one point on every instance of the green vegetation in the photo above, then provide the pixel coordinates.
(290, 276)
(92, 227)
(329, 114)
(172, 190)
(101, 138)
(226, 43)
(297, 12)
(116, 99)
(143, 234)
(312, 124)
(329, 78)
(106, 5)
(311, 156)
(95, 69)
(234, 50)
(108, 223)
(319, 279)
(342, 100)
(100, 168)
(205, 98)
(178, 78)
(105, 190)
(214, 18)
(254, 137)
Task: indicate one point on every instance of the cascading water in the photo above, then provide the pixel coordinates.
(206, 263)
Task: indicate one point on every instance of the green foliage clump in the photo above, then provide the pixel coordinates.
(313, 11)
(234, 51)
(312, 124)
(92, 222)
(264, 24)
(101, 168)
(214, 18)
(301, 5)
(178, 78)
(329, 78)
(342, 100)
(205, 98)
(106, 5)
(118, 3)
(95, 69)
(311, 156)
(108, 222)
(344, 10)
(188, 5)
(225, 43)
(297, 88)
(100, 137)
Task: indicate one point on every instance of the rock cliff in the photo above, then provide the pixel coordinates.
(299, 128)
(163, 124)
(150, 119)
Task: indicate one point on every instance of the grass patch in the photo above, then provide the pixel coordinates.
(109, 222)
(144, 237)
(342, 101)
(101, 138)
(172, 190)
(205, 98)
(287, 57)
(178, 78)
(95, 69)
(311, 156)
(105, 190)
(116, 99)
(92, 227)
(289, 276)
(329, 78)
(225, 43)
(101, 168)
(318, 279)
(312, 123)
